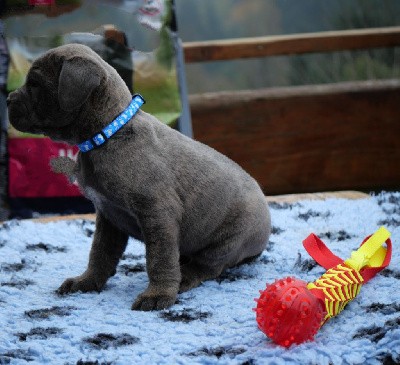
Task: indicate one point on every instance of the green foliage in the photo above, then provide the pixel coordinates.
(210, 19)
(366, 14)
(163, 99)
(365, 67)
(352, 65)
(165, 52)
(345, 66)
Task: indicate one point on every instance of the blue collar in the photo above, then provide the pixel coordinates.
(107, 132)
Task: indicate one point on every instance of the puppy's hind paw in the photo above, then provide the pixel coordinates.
(153, 302)
(81, 283)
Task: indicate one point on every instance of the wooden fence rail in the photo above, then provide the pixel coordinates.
(307, 138)
(218, 50)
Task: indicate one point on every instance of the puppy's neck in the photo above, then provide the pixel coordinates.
(99, 138)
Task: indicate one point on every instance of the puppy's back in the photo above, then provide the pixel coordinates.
(212, 187)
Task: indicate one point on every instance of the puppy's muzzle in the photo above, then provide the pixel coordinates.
(19, 110)
(16, 98)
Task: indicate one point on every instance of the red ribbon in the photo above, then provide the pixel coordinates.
(324, 256)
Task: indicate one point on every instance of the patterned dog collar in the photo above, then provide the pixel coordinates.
(98, 139)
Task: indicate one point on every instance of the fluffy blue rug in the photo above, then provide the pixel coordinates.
(212, 324)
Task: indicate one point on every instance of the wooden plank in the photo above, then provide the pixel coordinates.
(229, 49)
(294, 198)
(309, 138)
(48, 219)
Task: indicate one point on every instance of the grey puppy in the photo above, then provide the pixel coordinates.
(197, 211)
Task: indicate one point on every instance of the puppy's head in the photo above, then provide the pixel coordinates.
(68, 93)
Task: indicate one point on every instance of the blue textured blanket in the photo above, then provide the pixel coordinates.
(212, 324)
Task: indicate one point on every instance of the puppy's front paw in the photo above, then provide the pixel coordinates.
(148, 301)
(84, 283)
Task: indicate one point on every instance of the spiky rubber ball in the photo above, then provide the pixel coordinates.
(288, 313)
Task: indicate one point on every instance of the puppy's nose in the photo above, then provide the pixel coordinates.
(8, 101)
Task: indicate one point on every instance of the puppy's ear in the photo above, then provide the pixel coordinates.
(78, 78)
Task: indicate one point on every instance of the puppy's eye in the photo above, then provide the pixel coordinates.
(34, 89)
(35, 93)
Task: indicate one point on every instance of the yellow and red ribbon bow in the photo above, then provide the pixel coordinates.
(344, 278)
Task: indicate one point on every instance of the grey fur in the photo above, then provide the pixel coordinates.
(197, 212)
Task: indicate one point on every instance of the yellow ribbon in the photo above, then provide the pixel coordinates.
(371, 253)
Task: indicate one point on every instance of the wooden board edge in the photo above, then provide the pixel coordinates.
(293, 198)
